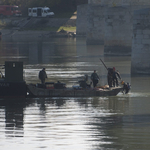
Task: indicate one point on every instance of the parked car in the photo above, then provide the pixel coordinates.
(40, 12)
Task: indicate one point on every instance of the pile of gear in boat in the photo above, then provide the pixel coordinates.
(52, 85)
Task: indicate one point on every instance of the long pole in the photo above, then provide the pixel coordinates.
(104, 64)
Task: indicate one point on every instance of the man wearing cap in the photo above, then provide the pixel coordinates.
(116, 75)
(94, 78)
(42, 75)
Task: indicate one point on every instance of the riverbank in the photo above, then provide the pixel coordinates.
(38, 27)
(14, 33)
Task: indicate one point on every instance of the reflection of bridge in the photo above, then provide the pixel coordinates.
(115, 24)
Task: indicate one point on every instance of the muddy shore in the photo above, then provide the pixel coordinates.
(20, 27)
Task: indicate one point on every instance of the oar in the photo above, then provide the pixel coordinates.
(104, 64)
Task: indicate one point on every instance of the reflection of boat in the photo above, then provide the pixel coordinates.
(12, 85)
(37, 91)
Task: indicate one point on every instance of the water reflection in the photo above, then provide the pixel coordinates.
(120, 122)
(13, 117)
(95, 119)
(105, 120)
(14, 113)
(112, 104)
(41, 51)
(98, 123)
(43, 103)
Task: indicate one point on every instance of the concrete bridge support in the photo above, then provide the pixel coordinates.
(118, 31)
(140, 60)
(81, 22)
(95, 25)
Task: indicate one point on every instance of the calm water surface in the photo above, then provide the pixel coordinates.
(113, 123)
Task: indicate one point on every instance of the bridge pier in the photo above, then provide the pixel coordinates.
(140, 59)
(81, 22)
(95, 25)
(118, 31)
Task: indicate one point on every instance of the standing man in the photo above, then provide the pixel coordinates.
(94, 78)
(116, 75)
(42, 75)
(110, 76)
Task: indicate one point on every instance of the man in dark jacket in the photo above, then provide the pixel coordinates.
(42, 75)
(116, 75)
(94, 78)
(110, 76)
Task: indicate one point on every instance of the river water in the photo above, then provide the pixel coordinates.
(119, 122)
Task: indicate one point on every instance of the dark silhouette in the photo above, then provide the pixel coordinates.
(126, 87)
(42, 75)
(110, 76)
(94, 78)
(116, 75)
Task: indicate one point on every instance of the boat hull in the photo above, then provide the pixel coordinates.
(70, 92)
(12, 89)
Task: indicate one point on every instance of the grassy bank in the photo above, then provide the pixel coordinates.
(41, 25)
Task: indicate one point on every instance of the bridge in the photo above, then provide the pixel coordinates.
(122, 26)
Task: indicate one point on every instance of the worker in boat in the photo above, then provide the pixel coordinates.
(116, 75)
(42, 75)
(126, 87)
(83, 83)
(94, 78)
(110, 76)
(86, 80)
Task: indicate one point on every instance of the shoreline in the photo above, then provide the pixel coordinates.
(14, 33)
(19, 27)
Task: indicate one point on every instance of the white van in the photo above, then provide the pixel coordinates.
(40, 12)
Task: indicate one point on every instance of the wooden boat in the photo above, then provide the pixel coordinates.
(36, 91)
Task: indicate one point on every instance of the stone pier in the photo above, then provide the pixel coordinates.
(81, 22)
(95, 25)
(140, 60)
(118, 31)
